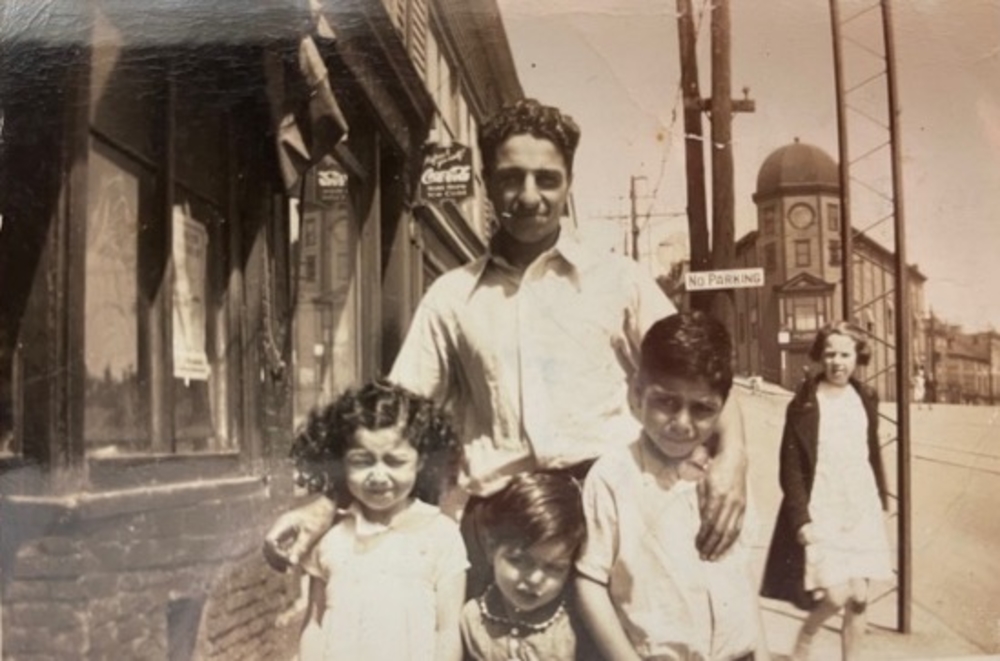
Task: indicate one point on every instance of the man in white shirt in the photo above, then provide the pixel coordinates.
(532, 344)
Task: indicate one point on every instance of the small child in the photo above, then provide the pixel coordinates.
(643, 589)
(389, 576)
(533, 529)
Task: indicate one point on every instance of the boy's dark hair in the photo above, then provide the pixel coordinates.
(321, 443)
(533, 508)
(848, 330)
(688, 345)
(528, 117)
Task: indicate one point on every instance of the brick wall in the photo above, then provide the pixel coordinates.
(169, 572)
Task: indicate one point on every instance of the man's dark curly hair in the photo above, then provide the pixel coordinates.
(528, 117)
(321, 443)
(688, 345)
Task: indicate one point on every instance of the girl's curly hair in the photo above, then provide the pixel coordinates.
(320, 444)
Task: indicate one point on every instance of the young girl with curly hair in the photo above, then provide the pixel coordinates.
(389, 576)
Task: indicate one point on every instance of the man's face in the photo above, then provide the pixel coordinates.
(528, 187)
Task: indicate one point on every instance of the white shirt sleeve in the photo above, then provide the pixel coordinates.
(647, 304)
(423, 362)
(601, 515)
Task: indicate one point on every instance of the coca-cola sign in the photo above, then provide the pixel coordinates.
(447, 172)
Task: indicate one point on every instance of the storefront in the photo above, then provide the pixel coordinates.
(155, 321)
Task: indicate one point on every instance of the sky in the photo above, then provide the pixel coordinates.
(613, 66)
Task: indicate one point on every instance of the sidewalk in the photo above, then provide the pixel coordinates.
(929, 638)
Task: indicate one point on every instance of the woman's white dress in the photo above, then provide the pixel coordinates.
(844, 505)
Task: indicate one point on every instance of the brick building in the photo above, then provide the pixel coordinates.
(964, 367)
(157, 167)
(797, 243)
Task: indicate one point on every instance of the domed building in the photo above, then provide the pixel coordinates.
(797, 242)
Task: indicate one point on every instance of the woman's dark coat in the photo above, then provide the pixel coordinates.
(784, 571)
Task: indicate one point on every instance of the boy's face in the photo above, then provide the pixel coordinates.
(531, 577)
(677, 415)
(528, 186)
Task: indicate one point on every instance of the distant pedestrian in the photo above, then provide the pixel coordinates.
(830, 539)
(389, 576)
(919, 387)
(533, 530)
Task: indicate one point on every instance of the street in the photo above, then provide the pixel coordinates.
(955, 530)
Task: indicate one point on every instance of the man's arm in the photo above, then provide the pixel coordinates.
(602, 620)
(296, 532)
(722, 495)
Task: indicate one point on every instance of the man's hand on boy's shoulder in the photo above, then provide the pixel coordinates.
(722, 498)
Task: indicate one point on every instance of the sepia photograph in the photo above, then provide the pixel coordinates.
(493, 330)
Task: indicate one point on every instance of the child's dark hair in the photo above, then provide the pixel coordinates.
(847, 330)
(688, 345)
(528, 117)
(533, 508)
(321, 443)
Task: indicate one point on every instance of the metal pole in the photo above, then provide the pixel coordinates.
(723, 202)
(846, 232)
(902, 295)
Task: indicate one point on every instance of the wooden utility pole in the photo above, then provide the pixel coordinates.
(693, 150)
(721, 106)
(693, 139)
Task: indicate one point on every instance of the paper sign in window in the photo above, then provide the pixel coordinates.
(190, 250)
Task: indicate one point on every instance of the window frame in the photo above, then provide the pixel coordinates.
(161, 458)
(803, 259)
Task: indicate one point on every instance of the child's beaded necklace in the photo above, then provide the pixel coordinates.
(518, 629)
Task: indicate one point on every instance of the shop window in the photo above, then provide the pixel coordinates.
(116, 408)
(158, 341)
(803, 257)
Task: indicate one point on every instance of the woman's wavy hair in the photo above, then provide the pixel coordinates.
(528, 117)
(848, 330)
(322, 441)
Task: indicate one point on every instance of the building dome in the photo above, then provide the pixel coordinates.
(797, 167)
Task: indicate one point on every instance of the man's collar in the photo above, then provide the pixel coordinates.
(567, 246)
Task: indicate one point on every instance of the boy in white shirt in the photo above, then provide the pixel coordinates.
(643, 589)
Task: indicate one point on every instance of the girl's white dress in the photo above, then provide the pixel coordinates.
(844, 505)
(381, 583)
